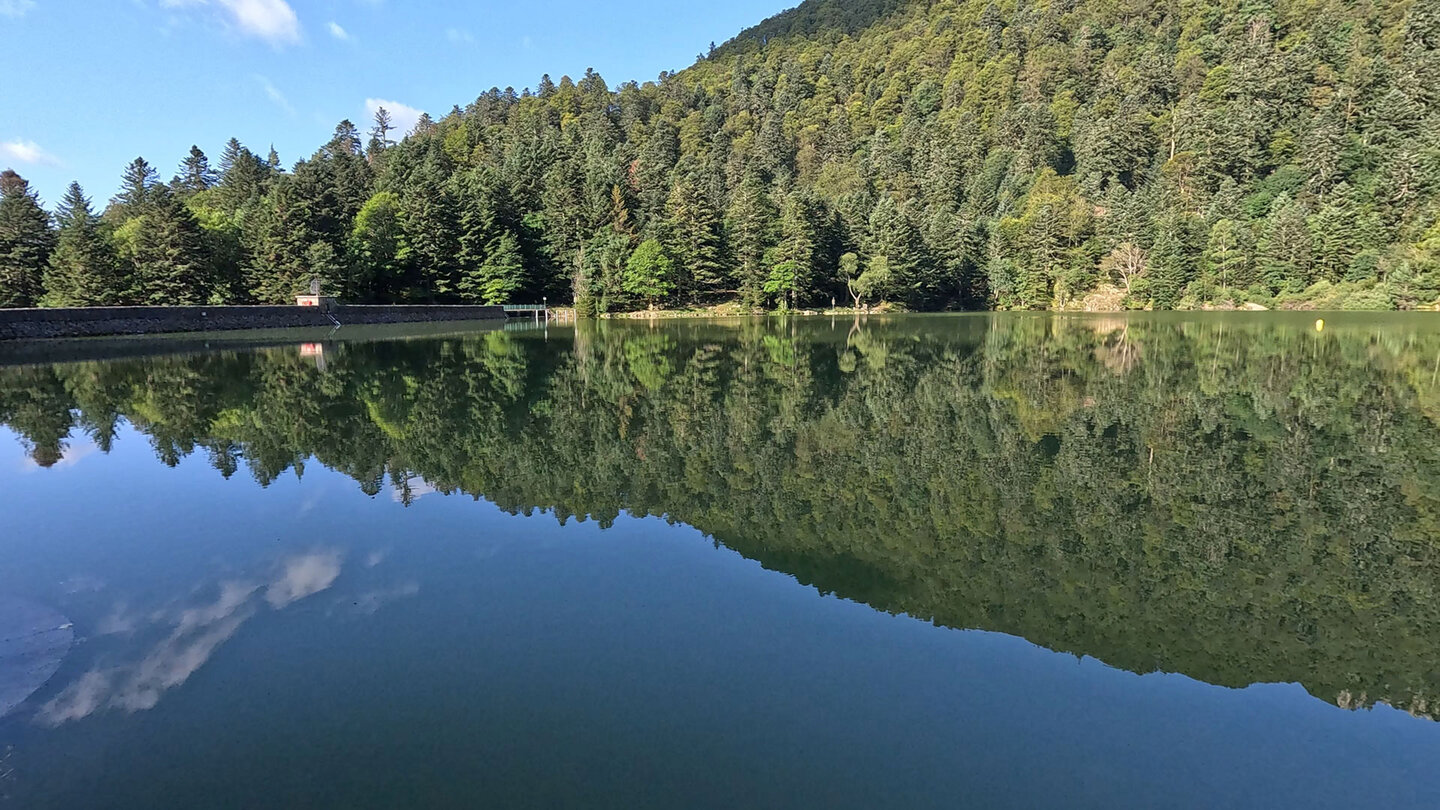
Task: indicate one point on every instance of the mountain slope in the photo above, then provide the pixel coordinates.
(956, 153)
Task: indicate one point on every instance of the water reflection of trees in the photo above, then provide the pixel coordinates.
(1236, 503)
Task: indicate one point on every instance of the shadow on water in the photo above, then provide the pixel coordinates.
(1237, 498)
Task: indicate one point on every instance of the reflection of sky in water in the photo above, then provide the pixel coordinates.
(195, 633)
(145, 643)
(308, 642)
(77, 449)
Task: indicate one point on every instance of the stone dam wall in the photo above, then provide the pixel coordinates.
(33, 324)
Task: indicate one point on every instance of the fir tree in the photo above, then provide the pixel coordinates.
(380, 133)
(26, 241)
(695, 239)
(83, 270)
(499, 276)
(195, 173)
(137, 187)
(170, 262)
(751, 227)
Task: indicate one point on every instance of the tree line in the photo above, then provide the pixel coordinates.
(937, 155)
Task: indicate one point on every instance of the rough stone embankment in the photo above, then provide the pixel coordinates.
(33, 324)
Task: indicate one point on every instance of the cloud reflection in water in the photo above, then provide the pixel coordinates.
(198, 632)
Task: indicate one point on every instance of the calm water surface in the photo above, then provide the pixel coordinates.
(969, 561)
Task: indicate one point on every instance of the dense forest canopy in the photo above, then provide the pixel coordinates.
(941, 154)
(1237, 501)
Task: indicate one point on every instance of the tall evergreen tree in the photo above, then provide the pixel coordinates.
(137, 188)
(83, 270)
(499, 276)
(695, 239)
(195, 173)
(751, 225)
(380, 133)
(26, 241)
(170, 262)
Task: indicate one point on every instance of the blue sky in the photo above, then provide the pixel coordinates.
(87, 85)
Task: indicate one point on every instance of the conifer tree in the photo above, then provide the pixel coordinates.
(137, 187)
(242, 179)
(751, 226)
(380, 133)
(83, 270)
(695, 239)
(26, 241)
(1284, 247)
(499, 277)
(195, 173)
(230, 156)
(170, 262)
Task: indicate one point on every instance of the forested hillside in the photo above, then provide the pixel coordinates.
(949, 154)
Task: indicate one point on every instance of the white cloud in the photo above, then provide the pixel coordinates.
(459, 36)
(27, 152)
(15, 8)
(303, 576)
(403, 116)
(271, 20)
(273, 93)
(339, 32)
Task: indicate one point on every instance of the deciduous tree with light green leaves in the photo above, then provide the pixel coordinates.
(650, 273)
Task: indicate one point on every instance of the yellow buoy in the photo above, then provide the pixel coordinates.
(1320, 325)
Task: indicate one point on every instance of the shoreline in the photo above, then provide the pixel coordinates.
(83, 322)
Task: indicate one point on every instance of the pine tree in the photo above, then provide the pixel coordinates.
(242, 179)
(380, 133)
(499, 277)
(83, 270)
(894, 236)
(137, 187)
(751, 229)
(695, 239)
(1226, 260)
(195, 173)
(1284, 247)
(801, 245)
(26, 241)
(431, 220)
(169, 256)
(1335, 237)
(1172, 261)
(277, 240)
(230, 156)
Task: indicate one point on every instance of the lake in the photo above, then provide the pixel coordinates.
(998, 561)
